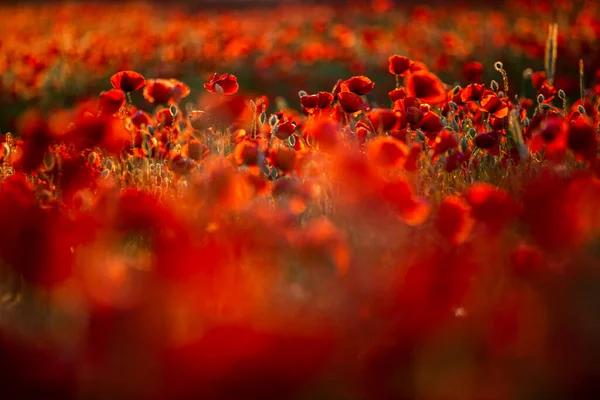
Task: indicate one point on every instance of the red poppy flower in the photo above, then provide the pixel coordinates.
(111, 101)
(413, 157)
(549, 132)
(487, 140)
(387, 152)
(104, 131)
(48, 231)
(140, 118)
(444, 141)
(473, 71)
(384, 120)
(246, 152)
(548, 92)
(398, 65)
(453, 220)
(196, 150)
(165, 91)
(320, 100)
(351, 102)
(526, 261)
(538, 79)
(127, 81)
(494, 105)
(473, 92)
(397, 94)
(430, 123)
(284, 130)
(399, 195)
(360, 85)
(36, 139)
(283, 158)
(456, 160)
(560, 212)
(427, 87)
(222, 84)
(491, 206)
(582, 139)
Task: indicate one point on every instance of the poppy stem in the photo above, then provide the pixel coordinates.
(364, 114)
(581, 87)
(397, 81)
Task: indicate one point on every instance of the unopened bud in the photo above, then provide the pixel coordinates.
(540, 98)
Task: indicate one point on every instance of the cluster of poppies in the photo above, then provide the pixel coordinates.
(162, 243)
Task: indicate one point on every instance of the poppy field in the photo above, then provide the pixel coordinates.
(301, 202)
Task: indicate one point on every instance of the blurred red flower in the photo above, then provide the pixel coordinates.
(473, 71)
(111, 101)
(165, 91)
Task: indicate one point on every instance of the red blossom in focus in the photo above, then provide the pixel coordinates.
(127, 81)
(399, 65)
(359, 85)
(427, 87)
(351, 102)
(222, 84)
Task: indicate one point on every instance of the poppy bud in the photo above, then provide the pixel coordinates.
(92, 157)
(581, 109)
(173, 110)
(273, 120)
(561, 94)
(540, 98)
(263, 118)
(494, 86)
(302, 94)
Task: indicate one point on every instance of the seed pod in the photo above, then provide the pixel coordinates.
(540, 98)
(92, 157)
(49, 161)
(292, 140)
(273, 120)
